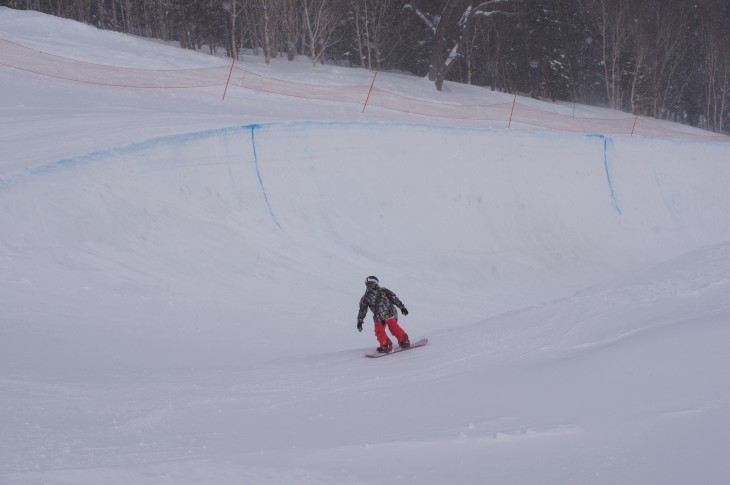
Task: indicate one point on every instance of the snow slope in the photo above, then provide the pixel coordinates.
(179, 279)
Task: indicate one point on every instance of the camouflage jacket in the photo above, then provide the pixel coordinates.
(382, 303)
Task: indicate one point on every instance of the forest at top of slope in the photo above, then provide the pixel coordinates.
(667, 59)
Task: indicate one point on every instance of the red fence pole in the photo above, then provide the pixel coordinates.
(233, 60)
(638, 111)
(372, 85)
(514, 101)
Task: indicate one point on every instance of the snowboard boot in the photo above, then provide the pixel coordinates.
(384, 349)
(405, 343)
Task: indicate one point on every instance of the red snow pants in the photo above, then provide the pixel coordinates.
(392, 324)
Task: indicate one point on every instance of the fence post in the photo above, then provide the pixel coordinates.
(636, 118)
(233, 60)
(514, 101)
(372, 85)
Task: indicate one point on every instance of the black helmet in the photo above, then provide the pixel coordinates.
(371, 280)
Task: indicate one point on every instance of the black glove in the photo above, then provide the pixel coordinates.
(404, 311)
(359, 325)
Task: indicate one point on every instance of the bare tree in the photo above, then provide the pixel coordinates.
(615, 34)
(450, 27)
(716, 63)
(266, 20)
(359, 25)
(670, 52)
(370, 19)
(321, 20)
(290, 17)
(233, 10)
(644, 35)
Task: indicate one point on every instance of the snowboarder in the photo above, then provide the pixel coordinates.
(382, 303)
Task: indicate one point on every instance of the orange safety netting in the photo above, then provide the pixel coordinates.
(502, 114)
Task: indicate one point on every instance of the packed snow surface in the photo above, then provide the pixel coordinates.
(180, 278)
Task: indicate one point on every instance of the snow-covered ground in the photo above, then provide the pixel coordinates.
(179, 280)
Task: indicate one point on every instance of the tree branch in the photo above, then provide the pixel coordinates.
(422, 17)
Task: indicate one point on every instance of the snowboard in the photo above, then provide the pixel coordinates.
(418, 343)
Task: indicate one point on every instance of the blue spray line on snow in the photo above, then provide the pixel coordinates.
(106, 154)
(611, 188)
(6, 182)
(258, 174)
(9, 181)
